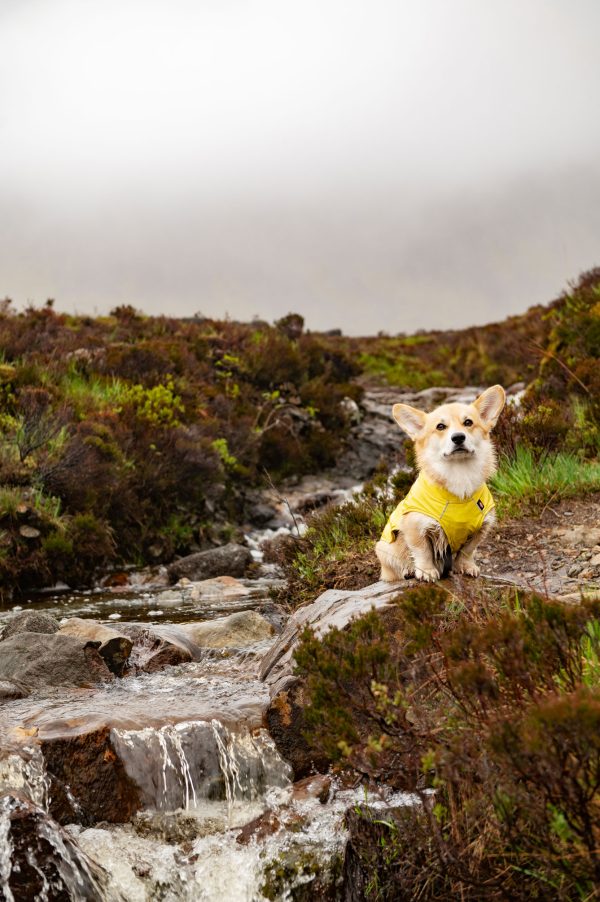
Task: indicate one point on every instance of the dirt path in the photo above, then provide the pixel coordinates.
(557, 552)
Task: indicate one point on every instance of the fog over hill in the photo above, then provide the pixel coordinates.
(371, 165)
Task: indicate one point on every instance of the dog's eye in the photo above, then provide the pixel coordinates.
(468, 422)
(440, 426)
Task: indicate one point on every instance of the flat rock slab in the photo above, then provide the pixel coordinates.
(33, 661)
(333, 609)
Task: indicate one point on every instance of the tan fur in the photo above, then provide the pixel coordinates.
(421, 539)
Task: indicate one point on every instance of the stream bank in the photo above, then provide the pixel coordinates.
(164, 783)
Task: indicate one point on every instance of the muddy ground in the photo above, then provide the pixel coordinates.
(557, 551)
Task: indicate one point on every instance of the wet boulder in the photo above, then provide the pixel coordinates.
(261, 827)
(284, 719)
(88, 781)
(40, 860)
(235, 631)
(30, 622)
(284, 715)
(315, 787)
(151, 653)
(32, 661)
(227, 560)
(114, 647)
(333, 609)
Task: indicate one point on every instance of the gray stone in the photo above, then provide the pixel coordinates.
(227, 560)
(152, 652)
(221, 588)
(9, 691)
(36, 661)
(114, 646)
(261, 513)
(30, 622)
(236, 631)
(334, 608)
(284, 716)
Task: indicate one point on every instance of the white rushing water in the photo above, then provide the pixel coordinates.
(308, 844)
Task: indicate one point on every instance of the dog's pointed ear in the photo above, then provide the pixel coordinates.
(489, 404)
(409, 419)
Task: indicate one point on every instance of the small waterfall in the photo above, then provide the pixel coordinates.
(181, 766)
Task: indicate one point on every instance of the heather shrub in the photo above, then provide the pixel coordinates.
(569, 372)
(488, 707)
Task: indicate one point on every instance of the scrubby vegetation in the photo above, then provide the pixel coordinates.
(506, 352)
(487, 707)
(132, 439)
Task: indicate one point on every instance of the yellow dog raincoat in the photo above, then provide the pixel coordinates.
(459, 518)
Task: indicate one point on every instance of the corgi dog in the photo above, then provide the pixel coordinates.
(449, 508)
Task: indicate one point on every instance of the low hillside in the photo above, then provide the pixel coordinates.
(134, 439)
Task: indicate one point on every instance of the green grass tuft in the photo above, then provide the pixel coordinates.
(523, 482)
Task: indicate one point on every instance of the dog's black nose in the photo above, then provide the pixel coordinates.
(458, 437)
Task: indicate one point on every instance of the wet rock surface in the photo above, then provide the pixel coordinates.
(114, 648)
(30, 622)
(284, 715)
(32, 661)
(334, 608)
(235, 631)
(150, 652)
(227, 560)
(316, 787)
(284, 719)
(87, 779)
(45, 862)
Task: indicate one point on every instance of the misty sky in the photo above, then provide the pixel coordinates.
(371, 164)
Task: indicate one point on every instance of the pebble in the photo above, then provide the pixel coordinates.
(155, 613)
(114, 616)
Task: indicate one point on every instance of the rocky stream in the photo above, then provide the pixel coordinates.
(141, 756)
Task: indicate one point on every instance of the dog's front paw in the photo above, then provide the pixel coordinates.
(427, 576)
(466, 567)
